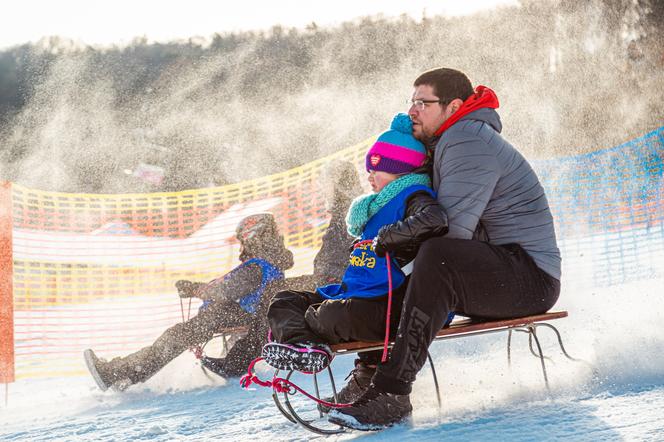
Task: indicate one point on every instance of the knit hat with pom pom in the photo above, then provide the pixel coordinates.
(396, 150)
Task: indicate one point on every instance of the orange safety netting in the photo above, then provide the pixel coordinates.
(98, 271)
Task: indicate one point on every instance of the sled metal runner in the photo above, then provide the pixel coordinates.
(458, 329)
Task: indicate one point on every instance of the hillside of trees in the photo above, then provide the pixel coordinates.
(571, 77)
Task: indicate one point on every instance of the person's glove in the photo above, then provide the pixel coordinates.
(381, 244)
(187, 289)
(378, 247)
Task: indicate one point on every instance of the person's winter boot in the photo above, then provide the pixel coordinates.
(215, 365)
(360, 379)
(104, 374)
(307, 358)
(374, 410)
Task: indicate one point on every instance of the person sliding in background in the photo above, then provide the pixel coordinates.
(240, 298)
(230, 301)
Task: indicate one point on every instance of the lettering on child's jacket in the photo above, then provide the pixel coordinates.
(364, 260)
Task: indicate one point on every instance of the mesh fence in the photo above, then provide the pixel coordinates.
(609, 211)
(98, 270)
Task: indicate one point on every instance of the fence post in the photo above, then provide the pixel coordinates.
(6, 286)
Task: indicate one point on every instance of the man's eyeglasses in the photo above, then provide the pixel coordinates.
(421, 104)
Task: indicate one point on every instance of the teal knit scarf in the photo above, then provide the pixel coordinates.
(366, 206)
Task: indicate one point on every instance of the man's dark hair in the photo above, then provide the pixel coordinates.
(447, 84)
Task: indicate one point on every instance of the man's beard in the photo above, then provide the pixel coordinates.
(424, 138)
(429, 142)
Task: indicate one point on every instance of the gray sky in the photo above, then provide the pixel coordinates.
(106, 22)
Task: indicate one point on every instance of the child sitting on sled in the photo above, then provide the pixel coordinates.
(397, 217)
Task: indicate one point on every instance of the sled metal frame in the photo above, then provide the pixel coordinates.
(458, 329)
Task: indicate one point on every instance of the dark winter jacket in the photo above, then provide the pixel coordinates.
(490, 192)
(246, 278)
(424, 219)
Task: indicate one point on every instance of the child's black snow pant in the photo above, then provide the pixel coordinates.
(249, 347)
(304, 316)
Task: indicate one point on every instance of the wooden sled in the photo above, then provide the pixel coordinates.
(458, 329)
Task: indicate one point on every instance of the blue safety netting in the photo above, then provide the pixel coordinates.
(609, 211)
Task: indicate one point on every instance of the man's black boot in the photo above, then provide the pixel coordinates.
(374, 410)
(360, 379)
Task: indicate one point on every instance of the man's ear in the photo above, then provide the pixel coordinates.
(455, 105)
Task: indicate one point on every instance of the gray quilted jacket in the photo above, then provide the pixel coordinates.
(490, 192)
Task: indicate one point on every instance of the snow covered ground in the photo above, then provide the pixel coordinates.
(619, 330)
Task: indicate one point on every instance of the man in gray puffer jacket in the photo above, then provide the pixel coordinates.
(499, 258)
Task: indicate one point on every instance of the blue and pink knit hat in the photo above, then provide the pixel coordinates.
(396, 150)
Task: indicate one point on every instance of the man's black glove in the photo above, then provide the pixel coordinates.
(378, 247)
(188, 289)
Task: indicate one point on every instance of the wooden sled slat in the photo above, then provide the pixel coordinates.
(460, 328)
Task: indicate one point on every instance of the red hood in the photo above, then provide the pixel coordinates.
(483, 97)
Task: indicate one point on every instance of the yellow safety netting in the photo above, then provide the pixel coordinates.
(98, 271)
(73, 248)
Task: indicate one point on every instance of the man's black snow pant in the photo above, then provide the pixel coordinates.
(472, 278)
(301, 316)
